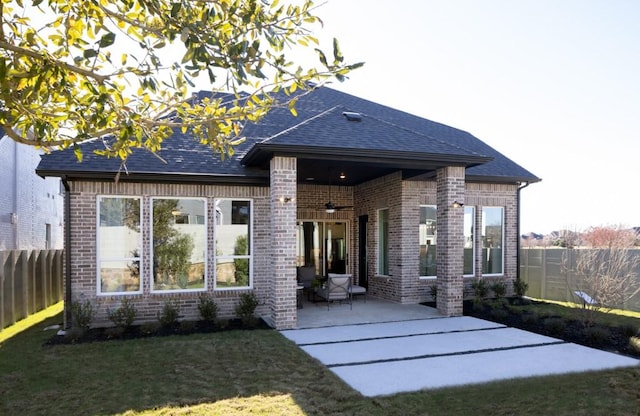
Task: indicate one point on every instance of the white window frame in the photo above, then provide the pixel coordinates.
(502, 246)
(381, 255)
(151, 254)
(100, 258)
(219, 217)
(473, 241)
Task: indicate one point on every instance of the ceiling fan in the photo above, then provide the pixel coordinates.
(330, 207)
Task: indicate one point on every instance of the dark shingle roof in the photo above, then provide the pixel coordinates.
(319, 126)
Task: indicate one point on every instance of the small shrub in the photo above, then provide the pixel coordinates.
(433, 291)
(480, 291)
(82, 314)
(555, 325)
(124, 315)
(499, 290)
(520, 287)
(247, 307)
(208, 308)
(597, 334)
(170, 314)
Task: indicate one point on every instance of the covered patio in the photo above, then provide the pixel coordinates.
(374, 310)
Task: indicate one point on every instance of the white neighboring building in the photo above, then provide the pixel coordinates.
(31, 208)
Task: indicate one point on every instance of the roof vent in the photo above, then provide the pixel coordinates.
(351, 116)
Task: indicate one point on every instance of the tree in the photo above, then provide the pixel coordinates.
(72, 70)
(606, 271)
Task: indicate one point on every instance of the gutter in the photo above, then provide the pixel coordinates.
(67, 253)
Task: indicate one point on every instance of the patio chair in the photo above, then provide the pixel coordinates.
(337, 288)
(305, 276)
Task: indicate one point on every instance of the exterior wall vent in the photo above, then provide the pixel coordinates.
(351, 116)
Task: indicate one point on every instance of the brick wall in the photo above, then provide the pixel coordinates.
(403, 199)
(83, 248)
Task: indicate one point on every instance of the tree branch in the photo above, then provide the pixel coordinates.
(45, 57)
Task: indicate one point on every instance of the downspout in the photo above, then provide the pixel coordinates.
(67, 253)
(520, 188)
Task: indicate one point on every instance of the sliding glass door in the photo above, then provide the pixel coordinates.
(322, 244)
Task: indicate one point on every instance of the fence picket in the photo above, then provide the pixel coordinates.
(30, 280)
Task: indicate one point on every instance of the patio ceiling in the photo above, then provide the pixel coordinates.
(326, 172)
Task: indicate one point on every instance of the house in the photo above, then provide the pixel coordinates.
(31, 211)
(398, 201)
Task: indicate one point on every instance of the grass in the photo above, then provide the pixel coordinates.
(259, 372)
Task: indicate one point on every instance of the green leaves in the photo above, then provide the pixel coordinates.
(71, 88)
(107, 40)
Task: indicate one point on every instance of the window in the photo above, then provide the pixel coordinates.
(119, 245)
(428, 236)
(427, 232)
(469, 246)
(233, 244)
(383, 242)
(492, 240)
(178, 246)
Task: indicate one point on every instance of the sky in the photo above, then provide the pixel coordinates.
(554, 85)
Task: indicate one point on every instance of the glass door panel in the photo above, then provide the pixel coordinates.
(322, 245)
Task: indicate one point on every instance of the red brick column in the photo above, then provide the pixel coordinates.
(450, 240)
(283, 243)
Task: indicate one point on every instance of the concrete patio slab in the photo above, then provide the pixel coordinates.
(403, 356)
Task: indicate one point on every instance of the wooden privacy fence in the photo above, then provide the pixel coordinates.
(549, 274)
(30, 280)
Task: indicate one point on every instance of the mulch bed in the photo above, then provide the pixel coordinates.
(609, 338)
(77, 336)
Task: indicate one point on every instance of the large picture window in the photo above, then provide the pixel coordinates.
(233, 244)
(428, 237)
(119, 245)
(179, 240)
(492, 240)
(383, 242)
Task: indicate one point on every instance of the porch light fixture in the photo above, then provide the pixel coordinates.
(342, 175)
(457, 204)
(285, 199)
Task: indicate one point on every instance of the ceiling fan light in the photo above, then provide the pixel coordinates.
(330, 210)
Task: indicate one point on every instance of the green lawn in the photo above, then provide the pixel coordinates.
(258, 372)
